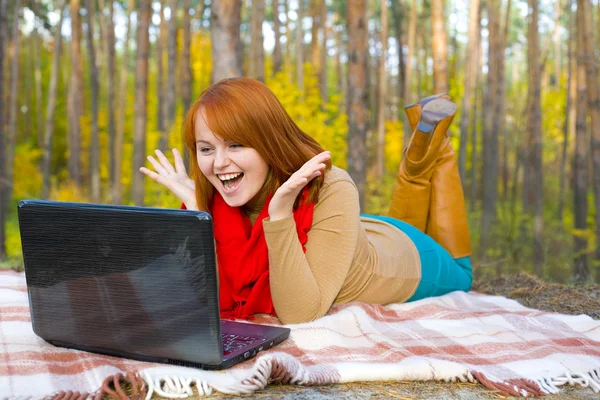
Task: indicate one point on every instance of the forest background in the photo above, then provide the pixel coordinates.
(88, 88)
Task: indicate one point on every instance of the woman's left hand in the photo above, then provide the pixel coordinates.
(282, 203)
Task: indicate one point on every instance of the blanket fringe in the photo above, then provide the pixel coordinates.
(542, 386)
(175, 387)
(590, 379)
(268, 368)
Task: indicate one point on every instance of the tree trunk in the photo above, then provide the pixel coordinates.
(117, 189)
(317, 23)
(38, 76)
(453, 58)
(256, 68)
(500, 111)
(300, 47)
(12, 119)
(3, 201)
(536, 136)
(581, 271)
(101, 55)
(141, 94)
(408, 94)
(323, 54)
(225, 39)
(489, 176)
(171, 85)
(186, 61)
(357, 94)
(51, 105)
(75, 96)
(288, 42)
(397, 15)
(109, 40)
(339, 67)
(439, 46)
(557, 44)
(94, 84)
(593, 98)
(471, 64)
(160, 79)
(26, 123)
(382, 92)
(277, 56)
(421, 57)
(567, 123)
(372, 83)
(474, 135)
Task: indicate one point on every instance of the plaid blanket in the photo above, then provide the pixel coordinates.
(460, 336)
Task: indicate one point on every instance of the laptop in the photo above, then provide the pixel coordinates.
(131, 282)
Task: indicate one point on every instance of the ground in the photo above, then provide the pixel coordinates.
(528, 290)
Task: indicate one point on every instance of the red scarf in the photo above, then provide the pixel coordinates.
(243, 257)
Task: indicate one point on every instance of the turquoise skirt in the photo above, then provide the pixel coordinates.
(440, 273)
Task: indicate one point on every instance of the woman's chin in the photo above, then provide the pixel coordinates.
(233, 199)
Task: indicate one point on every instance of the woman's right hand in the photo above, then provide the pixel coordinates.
(175, 179)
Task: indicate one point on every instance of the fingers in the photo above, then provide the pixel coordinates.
(179, 165)
(310, 170)
(158, 178)
(319, 158)
(164, 162)
(162, 165)
(160, 170)
(314, 167)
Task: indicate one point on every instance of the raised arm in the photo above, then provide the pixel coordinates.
(304, 286)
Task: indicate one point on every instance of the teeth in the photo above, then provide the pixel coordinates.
(226, 177)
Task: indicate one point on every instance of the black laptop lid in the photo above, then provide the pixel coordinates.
(125, 280)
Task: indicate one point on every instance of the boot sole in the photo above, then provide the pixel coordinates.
(433, 112)
(423, 102)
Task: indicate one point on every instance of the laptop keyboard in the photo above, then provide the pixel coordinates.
(232, 342)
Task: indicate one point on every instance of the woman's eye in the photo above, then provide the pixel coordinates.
(236, 145)
(205, 150)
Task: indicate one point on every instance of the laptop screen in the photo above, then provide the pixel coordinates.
(125, 279)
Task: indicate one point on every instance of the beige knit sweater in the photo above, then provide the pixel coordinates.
(348, 257)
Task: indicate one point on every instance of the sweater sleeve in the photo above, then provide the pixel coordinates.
(305, 285)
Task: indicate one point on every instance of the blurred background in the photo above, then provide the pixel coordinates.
(88, 88)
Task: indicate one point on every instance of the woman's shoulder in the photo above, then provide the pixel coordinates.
(338, 188)
(336, 174)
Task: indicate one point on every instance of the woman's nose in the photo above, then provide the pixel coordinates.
(221, 159)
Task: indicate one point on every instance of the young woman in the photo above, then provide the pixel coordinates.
(289, 234)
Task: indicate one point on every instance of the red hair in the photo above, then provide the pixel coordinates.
(246, 111)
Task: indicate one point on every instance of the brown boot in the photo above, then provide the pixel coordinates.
(447, 223)
(411, 200)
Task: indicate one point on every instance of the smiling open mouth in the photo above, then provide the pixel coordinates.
(231, 181)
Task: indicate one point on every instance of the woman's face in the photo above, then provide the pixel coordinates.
(237, 172)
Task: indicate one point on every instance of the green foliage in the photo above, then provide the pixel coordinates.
(13, 241)
(28, 176)
(511, 245)
(379, 193)
(326, 123)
